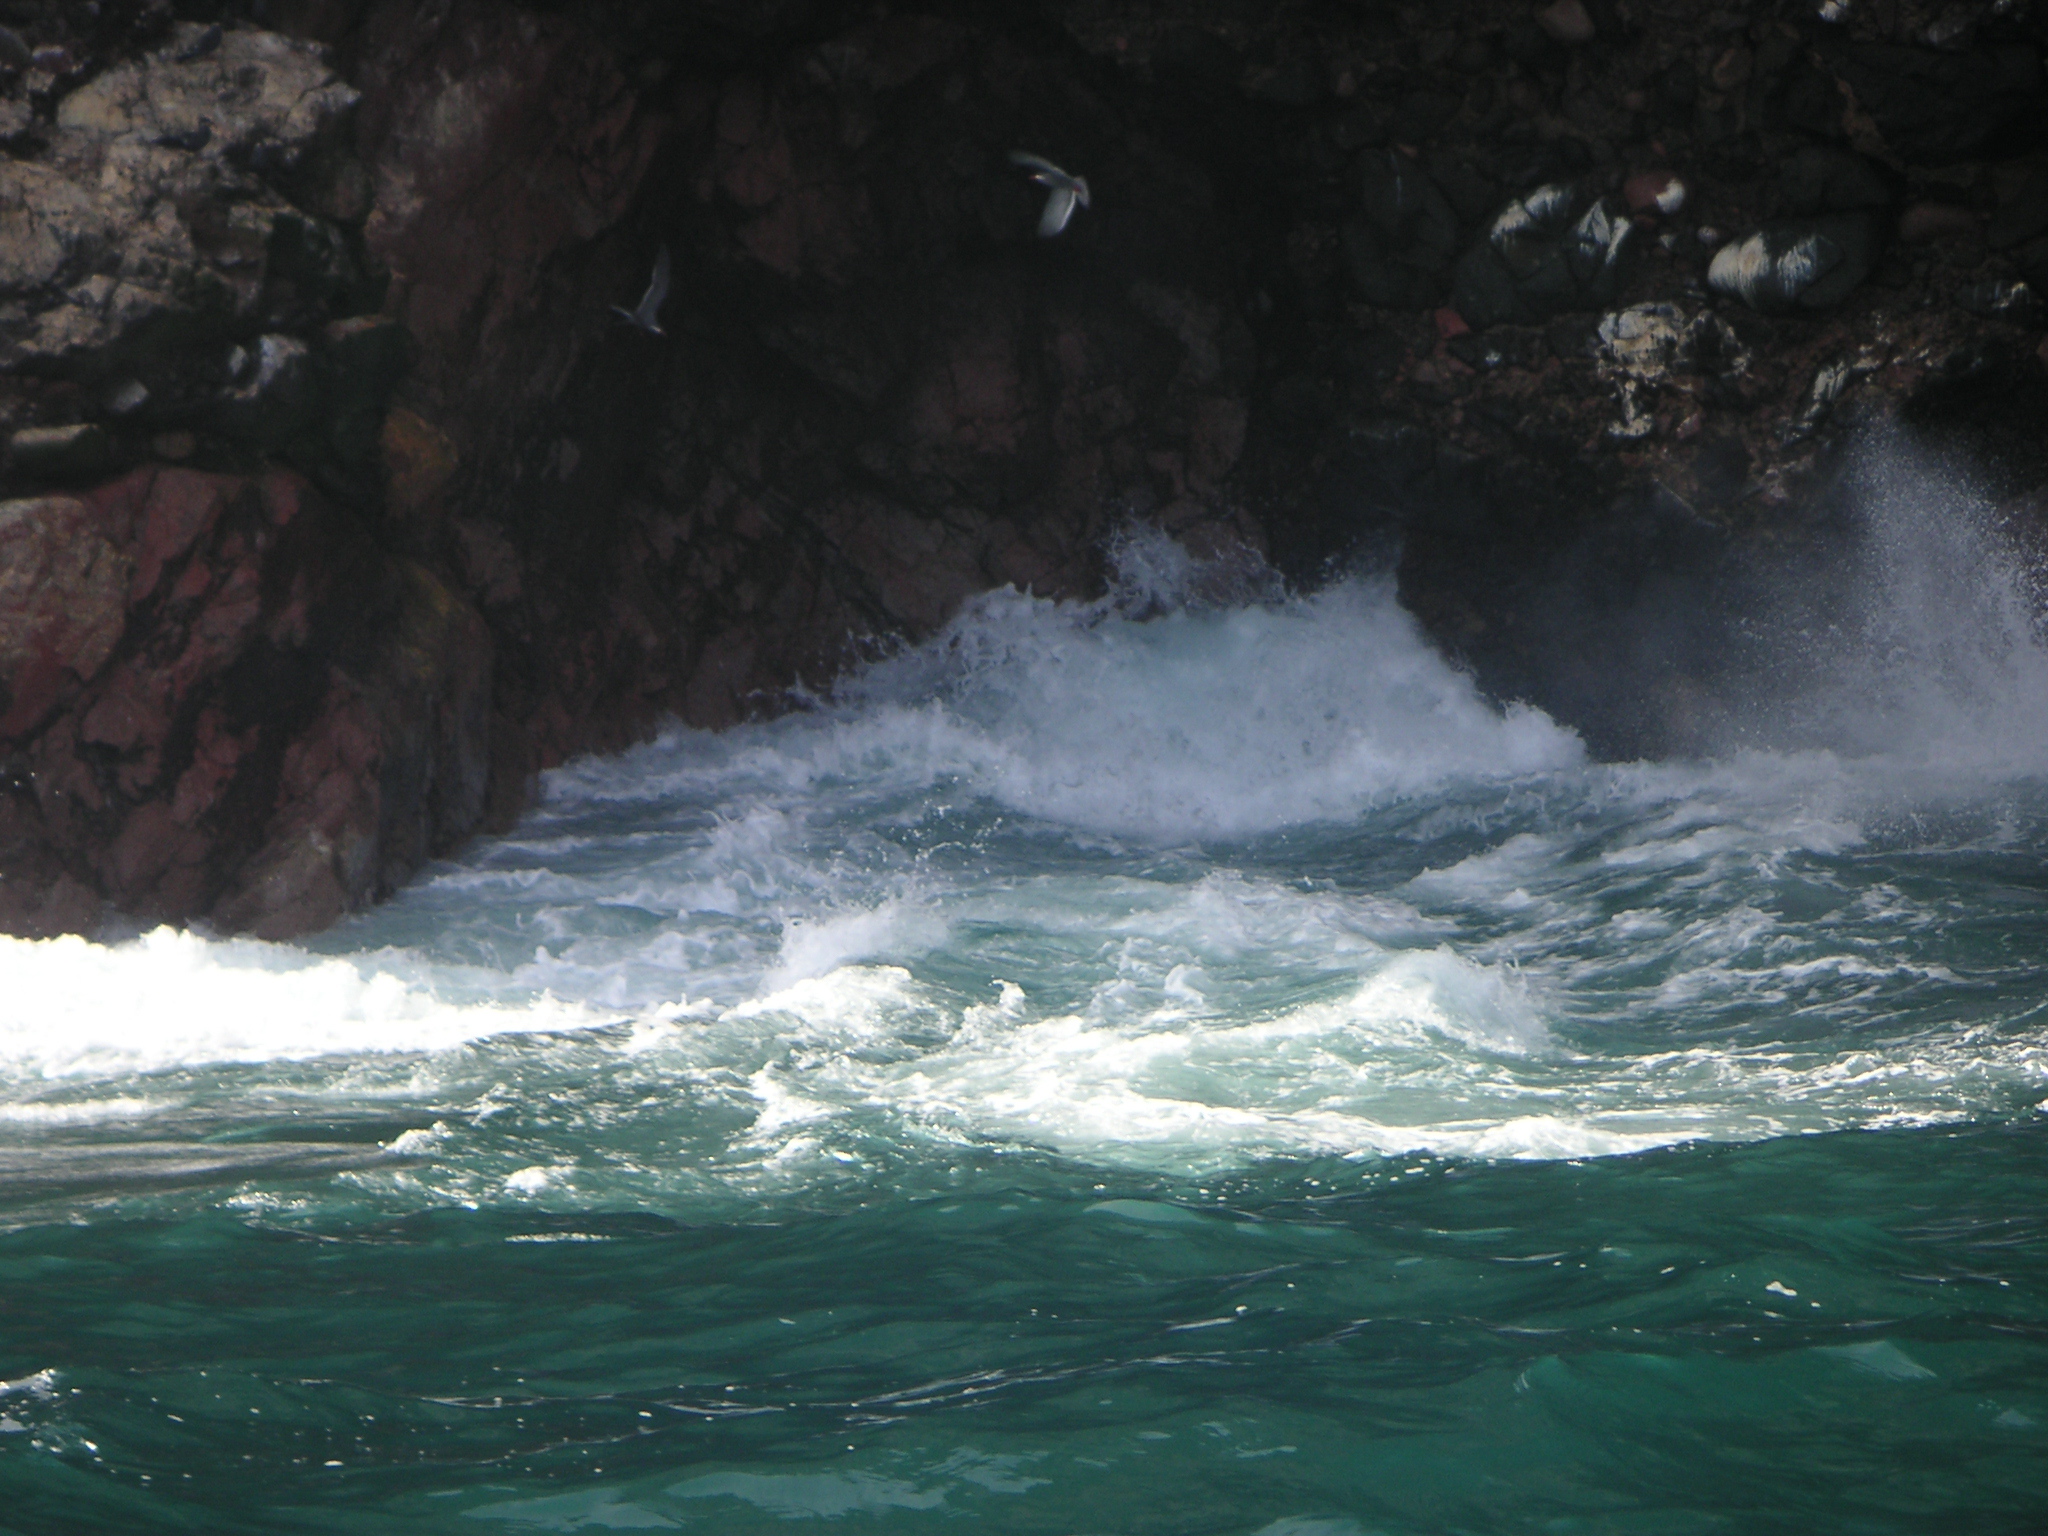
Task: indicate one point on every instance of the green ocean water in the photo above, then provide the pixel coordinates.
(1580, 1347)
(1206, 1072)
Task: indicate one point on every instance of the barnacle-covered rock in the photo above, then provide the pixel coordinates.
(1651, 347)
(2002, 300)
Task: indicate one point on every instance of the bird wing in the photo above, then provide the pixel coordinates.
(1059, 208)
(1037, 163)
(657, 290)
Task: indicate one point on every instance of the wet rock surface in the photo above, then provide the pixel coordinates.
(222, 699)
(1564, 311)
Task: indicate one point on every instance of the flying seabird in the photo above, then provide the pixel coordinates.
(1066, 191)
(645, 312)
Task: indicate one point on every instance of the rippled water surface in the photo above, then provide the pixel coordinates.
(1208, 1072)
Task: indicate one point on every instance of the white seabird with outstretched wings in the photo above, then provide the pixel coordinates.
(1065, 192)
(645, 313)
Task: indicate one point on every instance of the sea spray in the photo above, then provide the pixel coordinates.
(1201, 722)
(1918, 641)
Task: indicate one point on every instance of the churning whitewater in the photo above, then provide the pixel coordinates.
(1150, 883)
(1147, 1065)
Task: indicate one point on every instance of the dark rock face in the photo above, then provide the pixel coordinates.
(222, 694)
(1937, 105)
(1399, 249)
(93, 275)
(222, 699)
(343, 501)
(880, 391)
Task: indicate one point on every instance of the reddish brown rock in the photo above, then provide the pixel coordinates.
(63, 605)
(244, 671)
(178, 509)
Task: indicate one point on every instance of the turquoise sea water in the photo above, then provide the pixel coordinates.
(1208, 1072)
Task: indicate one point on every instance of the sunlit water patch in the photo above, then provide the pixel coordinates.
(1126, 1066)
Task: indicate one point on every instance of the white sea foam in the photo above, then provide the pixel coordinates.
(122, 1109)
(535, 1179)
(812, 946)
(39, 1384)
(1428, 1054)
(1182, 892)
(168, 999)
(1199, 722)
(1205, 722)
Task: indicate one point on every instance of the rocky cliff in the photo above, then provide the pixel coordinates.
(340, 500)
